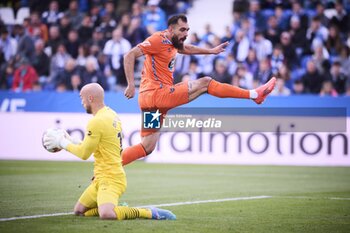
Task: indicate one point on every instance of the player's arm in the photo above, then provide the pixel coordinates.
(192, 49)
(89, 144)
(129, 64)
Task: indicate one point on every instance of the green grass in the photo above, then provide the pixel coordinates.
(300, 197)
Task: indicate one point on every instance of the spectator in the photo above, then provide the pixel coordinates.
(85, 30)
(72, 44)
(25, 47)
(136, 11)
(240, 46)
(297, 11)
(6, 75)
(54, 40)
(97, 38)
(83, 53)
(284, 73)
(320, 57)
(76, 83)
(272, 32)
(341, 18)
(64, 26)
(95, 15)
(320, 8)
(194, 72)
(327, 89)
(334, 43)
(58, 60)
(62, 79)
(182, 64)
(52, 16)
(41, 64)
(135, 33)
(248, 28)
(252, 63)
(194, 39)
(277, 59)
(91, 74)
(280, 18)
(24, 77)
(281, 89)
(124, 22)
(316, 31)
(75, 17)
(262, 46)
(244, 76)
(8, 45)
(264, 72)
(37, 29)
(289, 52)
(312, 79)
(345, 60)
(298, 87)
(206, 62)
(298, 36)
(154, 18)
(232, 64)
(339, 79)
(115, 50)
(220, 73)
(256, 15)
(109, 9)
(208, 34)
(107, 25)
(227, 37)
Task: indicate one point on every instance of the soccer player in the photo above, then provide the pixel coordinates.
(103, 138)
(157, 91)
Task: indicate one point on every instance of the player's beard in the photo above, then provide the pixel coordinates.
(88, 109)
(177, 43)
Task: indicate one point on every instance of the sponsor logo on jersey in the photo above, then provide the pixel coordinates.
(166, 42)
(171, 64)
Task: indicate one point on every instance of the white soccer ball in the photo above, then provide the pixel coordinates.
(49, 132)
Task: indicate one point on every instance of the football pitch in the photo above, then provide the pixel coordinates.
(205, 198)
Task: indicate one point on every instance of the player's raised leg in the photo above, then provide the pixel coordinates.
(223, 90)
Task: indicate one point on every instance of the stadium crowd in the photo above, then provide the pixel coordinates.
(305, 44)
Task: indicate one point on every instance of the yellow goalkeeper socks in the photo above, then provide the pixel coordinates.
(91, 212)
(124, 212)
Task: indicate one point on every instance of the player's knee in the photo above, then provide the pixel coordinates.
(107, 214)
(204, 82)
(149, 148)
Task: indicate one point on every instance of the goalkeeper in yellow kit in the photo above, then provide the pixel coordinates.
(103, 139)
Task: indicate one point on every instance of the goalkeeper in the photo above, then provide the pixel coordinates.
(103, 138)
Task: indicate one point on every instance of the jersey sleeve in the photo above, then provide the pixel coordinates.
(89, 144)
(151, 45)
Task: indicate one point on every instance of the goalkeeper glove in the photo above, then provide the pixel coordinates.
(56, 139)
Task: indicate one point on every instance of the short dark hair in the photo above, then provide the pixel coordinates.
(175, 18)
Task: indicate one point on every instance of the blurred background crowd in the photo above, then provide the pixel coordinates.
(62, 45)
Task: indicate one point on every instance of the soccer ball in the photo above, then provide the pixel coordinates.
(49, 132)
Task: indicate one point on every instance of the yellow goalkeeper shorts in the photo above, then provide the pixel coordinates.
(103, 191)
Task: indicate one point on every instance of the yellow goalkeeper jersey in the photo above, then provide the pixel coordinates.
(103, 137)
